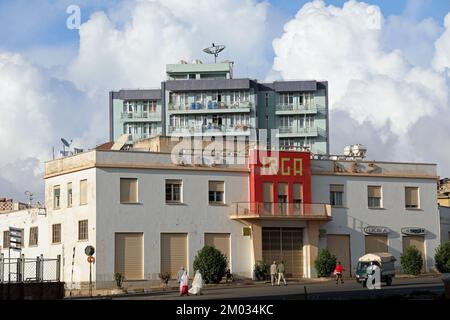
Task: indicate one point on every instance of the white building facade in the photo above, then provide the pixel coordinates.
(145, 214)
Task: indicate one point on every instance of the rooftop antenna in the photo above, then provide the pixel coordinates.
(65, 144)
(214, 50)
(29, 196)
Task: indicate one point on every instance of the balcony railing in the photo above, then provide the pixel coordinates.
(142, 115)
(251, 210)
(211, 106)
(239, 128)
(299, 130)
(307, 108)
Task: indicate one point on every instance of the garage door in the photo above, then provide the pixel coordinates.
(418, 242)
(339, 245)
(377, 243)
(173, 252)
(220, 241)
(129, 255)
(284, 244)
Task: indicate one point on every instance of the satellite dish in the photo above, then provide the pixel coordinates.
(214, 50)
(64, 141)
(119, 144)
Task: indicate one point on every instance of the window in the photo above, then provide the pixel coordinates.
(216, 191)
(33, 236)
(374, 196)
(411, 197)
(56, 233)
(56, 197)
(173, 191)
(83, 192)
(337, 195)
(69, 195)
(5, 239)
(128, 190)
(83, 230)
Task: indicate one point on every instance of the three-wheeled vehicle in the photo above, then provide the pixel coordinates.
(383, 260)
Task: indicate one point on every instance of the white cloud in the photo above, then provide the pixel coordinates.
(344, 46)
(441, 60)
(161, 32)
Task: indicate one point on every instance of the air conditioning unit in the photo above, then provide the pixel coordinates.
(246, 231)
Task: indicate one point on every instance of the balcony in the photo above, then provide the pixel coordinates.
(281, 211)
(141, 116)
(291, 131)
(210, 130)
(210, 107)
(285, 109)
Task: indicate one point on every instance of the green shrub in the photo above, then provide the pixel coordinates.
(165, 277)
(325, 263)
(442, 258)
(211, 263)
(262, 270)
(411, 261)
(118, 277)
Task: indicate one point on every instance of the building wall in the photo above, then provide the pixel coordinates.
(68, 218)
(355, 214)
(152, 216)
(444, 213)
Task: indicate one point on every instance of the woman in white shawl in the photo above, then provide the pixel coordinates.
(184, 284)
(197, 284)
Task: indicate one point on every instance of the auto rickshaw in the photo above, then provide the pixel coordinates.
(385, 261)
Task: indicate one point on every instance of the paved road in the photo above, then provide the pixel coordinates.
(322, 290)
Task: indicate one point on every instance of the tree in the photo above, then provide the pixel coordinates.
(262, 270)
(211, 263)
(325, 263)
(411, 261)
(442, 258)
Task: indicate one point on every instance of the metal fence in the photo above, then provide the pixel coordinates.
(24, 269)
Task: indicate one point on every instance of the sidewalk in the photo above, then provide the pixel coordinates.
(174, 288)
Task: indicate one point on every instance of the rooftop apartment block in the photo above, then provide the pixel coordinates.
(205, 100)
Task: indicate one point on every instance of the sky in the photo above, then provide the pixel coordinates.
(387, 63)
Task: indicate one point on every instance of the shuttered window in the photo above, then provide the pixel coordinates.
(374, 196)
(34, 235)
(56, 233)
(129, 255)
(83, 192)
(216, 192)
(56, 197)
(337, 195)
(412, 197)
(128, 190)
(297, 193)
(5, 239)
(69, 194)
(83, 233)
(174, 191)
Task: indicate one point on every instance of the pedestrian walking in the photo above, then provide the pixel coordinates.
(180, 274)
(338, 272)
(184, 285)
(280, 270)
(273, 273)
(197, 284)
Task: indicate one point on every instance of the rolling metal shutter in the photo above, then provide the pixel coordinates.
(173, 252)
(339, 245)
(376, 243)
(129, 255)
(220, 241)
(284, 244)
(419, 243)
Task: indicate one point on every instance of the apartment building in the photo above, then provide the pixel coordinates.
(200, 99)
(147, 212)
